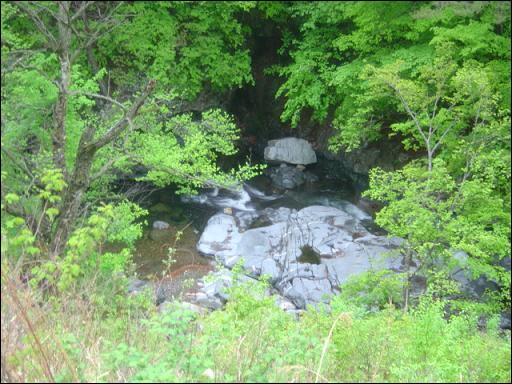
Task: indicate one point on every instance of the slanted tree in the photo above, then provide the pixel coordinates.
(452, 203)
(60, 114)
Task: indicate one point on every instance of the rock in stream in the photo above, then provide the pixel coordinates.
(344, 248)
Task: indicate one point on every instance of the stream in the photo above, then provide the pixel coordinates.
(190, 214)
(309, 240)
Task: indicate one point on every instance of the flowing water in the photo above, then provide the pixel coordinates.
(189, 214)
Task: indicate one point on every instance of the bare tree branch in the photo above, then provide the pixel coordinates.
(438, 126)
(52, 13)
(17, 57)
(443, 135)
(19, 164)
(98, 96)
(99, 31)
(430, 126)
(91, 58)
(117, 128)
(82, 8)
(103, 169)
(409, 110)
(15, 210)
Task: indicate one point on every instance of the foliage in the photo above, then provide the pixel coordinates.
(333, 42)
(374, 289)
(436, 216)
(252, 340)
(180, 44)
(420, 346)
(184, 151)
(88, 116)
(123, 227)
(17, 237)
(84, 257)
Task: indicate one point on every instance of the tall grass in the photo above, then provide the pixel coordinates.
(97, 333)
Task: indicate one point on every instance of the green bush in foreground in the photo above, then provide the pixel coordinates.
(252, 340)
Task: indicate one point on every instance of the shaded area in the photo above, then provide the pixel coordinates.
(308, 255)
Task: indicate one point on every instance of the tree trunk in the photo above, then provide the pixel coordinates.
(59, 112)
(61, 43)
(72, 200)
(91, 58)
(80, 180)
(430, 155)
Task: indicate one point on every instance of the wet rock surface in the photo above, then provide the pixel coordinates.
(290, 177)
(159, 224)
(344, 246)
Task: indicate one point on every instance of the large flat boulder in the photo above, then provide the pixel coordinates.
(290, 150)
(307, 253)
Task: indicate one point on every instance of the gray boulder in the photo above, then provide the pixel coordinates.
(470, 285)
(308, 291)
(245, 218)
(135, 286)
(270, 267)
(217, 284)
(285, 304)
(290, 150)
(343, 248)
(202, 299)
(167, 306)
(357, 258)
(505, 320)
(160, 225)
(285, 177)
(220, 237)
(276, 215)
(257, 244)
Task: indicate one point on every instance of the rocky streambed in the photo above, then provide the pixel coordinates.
(273, 225)
(297, 225)
(308, 242)
(307, 253)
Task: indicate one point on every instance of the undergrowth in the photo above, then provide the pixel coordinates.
(104, 335)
